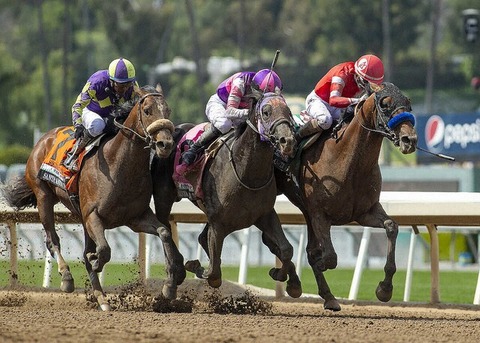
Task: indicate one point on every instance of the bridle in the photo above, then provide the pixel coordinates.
(265, 130)
(146, 137)
(388, 118)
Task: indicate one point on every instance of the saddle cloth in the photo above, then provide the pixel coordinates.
(52, 169)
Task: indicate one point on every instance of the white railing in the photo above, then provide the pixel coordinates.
(411, 209)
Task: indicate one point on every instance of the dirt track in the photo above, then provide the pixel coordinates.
(35, 316)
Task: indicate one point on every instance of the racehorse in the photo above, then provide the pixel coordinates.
(114, 189)
(339, 182)
(239, 189)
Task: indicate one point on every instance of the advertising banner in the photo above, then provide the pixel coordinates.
(456, 135)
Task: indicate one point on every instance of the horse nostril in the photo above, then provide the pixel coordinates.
(282, 140)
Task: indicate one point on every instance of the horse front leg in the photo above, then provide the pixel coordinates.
(215, 245)
(274, 238)
(377, 217)
(52, 241)
(314, 257)
(174, 267)
(98, 293)
(194, 266)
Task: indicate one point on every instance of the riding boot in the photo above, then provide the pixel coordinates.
(80, 144)
(205, 139)
(309, 128)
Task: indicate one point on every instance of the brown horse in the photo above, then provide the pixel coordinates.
(339, 182)
(115, 189)
(239, 190)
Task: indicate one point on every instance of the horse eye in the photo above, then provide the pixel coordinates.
(266, 111)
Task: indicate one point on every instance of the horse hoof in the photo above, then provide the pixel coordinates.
(384, 292)
(277, 275)
(169, 292)
(294, 289)
(215, 283)
(67, 284)
(105, 307)
(332, 305)
(192, 266)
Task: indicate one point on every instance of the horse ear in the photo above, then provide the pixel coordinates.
(278, 91)
(159, 88)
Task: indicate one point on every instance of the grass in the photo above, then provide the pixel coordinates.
(456, 287)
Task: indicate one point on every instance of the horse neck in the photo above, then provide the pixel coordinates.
(358, 148)
(256, 156)
(128, 149)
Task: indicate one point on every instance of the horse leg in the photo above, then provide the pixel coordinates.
(376, 217)
(52, 241)
(274, 238)
(173, 259)
(194, 266)
(215, 244)
(102, 254)
(314, 257)
(98, 293)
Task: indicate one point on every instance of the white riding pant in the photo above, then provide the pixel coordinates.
(216, 114)
(321, 110)
(92, 122)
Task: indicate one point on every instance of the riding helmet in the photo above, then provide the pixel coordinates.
(267, 81)
(370, 68)
(121, 70)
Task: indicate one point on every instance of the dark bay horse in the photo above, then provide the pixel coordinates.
(114, 189)
(239, 190)
(340, 182)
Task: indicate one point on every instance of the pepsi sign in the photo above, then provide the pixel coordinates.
(457, 135)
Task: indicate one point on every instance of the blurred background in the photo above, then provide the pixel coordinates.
(50, 47)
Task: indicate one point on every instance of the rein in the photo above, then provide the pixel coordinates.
(382, 127)
(269, 137)
(147, 138)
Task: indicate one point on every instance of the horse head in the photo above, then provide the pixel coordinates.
(393, 118)
(149, 120)
(275, 122)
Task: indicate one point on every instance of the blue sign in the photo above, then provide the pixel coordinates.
(456, 135)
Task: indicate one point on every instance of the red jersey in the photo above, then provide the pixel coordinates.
(338, 86)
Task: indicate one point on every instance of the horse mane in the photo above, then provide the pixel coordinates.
(121, 111)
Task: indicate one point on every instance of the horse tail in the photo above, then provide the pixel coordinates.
(18, 194)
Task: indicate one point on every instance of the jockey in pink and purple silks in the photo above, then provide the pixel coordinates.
(229, 106)
(103, 90)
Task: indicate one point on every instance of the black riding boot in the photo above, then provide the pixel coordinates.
(206, 138)
(308, 129)
(80, 144)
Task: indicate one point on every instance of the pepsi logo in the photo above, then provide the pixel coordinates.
(434, 133)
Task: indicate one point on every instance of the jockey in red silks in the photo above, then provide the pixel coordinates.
(229, 106)
(340, 88)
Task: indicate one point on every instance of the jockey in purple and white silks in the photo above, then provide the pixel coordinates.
(103, 90)
(229, 106)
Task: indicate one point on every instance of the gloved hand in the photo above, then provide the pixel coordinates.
(235, 113)
(79, 131)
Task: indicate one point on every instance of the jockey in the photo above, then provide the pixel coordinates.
(340, 88)
(229, 106)
(103, 90)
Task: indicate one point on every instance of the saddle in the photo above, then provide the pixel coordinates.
(52, 169)
(188, 179)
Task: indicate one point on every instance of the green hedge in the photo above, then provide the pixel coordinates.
(14, 154)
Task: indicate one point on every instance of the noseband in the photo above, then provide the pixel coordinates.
(146, 137)
(387, 117)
